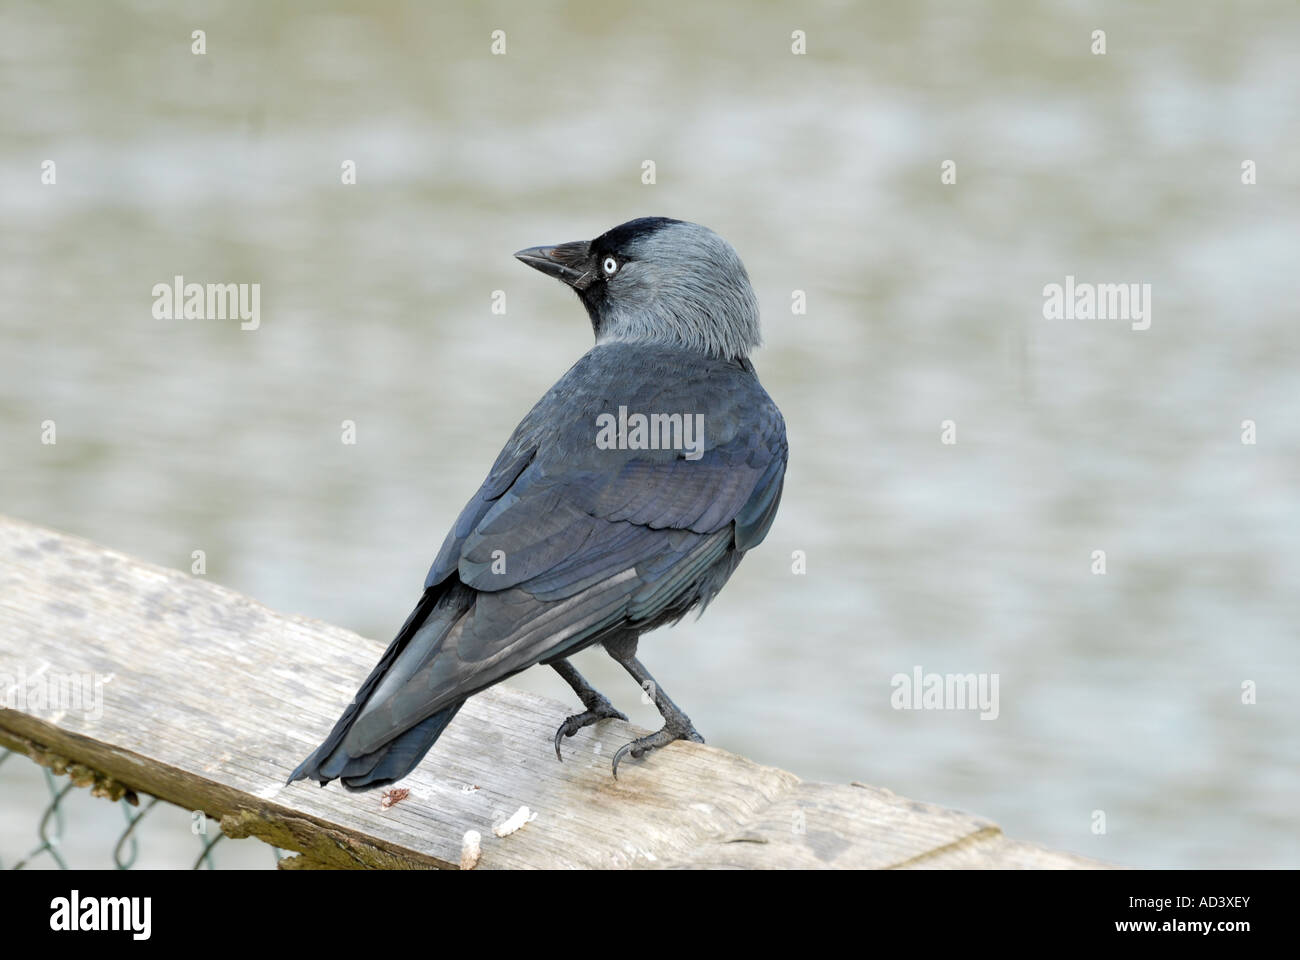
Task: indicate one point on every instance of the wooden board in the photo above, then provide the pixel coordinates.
(209, 699)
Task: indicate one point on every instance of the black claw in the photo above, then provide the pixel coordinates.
(671, 733)
(571, 725)
(619, 756)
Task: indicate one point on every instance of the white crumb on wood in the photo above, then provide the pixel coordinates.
(470, 849)
(517, 820)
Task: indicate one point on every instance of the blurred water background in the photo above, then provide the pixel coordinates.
(1119, 693)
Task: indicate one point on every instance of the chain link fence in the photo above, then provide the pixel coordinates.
(49, 849)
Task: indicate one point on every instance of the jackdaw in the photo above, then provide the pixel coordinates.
(624, 499)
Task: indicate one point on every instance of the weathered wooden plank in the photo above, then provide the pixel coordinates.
(209, 699)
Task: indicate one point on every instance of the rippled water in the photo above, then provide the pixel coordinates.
(1119, 693)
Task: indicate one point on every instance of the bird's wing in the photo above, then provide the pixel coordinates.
(565, 540)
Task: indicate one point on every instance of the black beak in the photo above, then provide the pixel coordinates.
(570, 262)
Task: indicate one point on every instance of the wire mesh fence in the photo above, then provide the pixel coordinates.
(49, 849)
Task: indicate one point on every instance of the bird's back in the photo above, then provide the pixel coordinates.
(587, 526)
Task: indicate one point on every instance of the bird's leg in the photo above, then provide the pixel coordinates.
(598, 706)
(677, 725)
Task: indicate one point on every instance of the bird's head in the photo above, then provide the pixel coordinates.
(656, 280)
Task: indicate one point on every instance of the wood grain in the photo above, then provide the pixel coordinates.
(209, 699)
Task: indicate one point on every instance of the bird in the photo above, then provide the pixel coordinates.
(623, 500)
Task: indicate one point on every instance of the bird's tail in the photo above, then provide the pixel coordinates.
(421, 636)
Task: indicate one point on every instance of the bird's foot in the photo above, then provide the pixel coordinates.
(597, 709)
(675, 729)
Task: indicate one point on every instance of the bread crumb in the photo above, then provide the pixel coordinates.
(470, 850)
(517, 820)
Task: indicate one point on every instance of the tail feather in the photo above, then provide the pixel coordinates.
(433, 617)
(399, 756)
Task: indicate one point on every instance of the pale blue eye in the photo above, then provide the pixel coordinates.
(610, 266)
